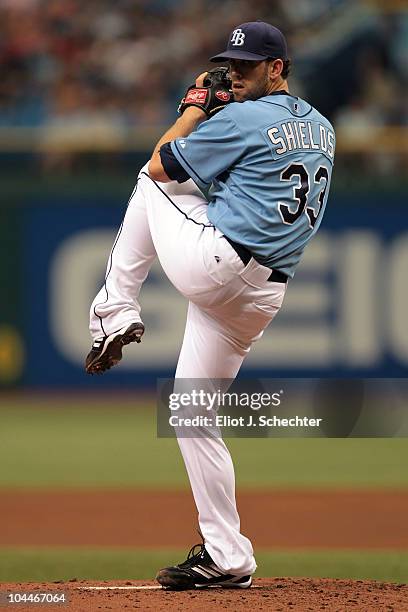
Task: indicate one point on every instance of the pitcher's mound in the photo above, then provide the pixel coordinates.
(272, 594)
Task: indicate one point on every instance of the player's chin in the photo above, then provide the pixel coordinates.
(240, 94)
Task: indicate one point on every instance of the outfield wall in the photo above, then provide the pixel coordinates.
(344, 314)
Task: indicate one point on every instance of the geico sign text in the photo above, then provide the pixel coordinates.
(346, 306)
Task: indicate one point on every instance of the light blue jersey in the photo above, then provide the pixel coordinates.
(269, 164)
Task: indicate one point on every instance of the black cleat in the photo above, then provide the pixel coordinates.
(107, 351)
(197, 572)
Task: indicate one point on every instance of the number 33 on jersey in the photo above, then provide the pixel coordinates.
(269, 163)
(303, 136)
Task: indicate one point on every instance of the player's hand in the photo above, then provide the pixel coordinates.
(200, 79)
(211, 92)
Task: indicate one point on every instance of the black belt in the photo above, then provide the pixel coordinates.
(245, 256)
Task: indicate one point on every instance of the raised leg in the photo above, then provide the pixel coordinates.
(153, 223)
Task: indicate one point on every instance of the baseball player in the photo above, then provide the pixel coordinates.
(267, 157)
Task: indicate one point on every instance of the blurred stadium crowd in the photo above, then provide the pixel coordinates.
(126, 63)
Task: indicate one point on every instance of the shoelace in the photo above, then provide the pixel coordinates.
(192, 555)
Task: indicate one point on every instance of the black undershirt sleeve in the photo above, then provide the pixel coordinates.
(171, 165)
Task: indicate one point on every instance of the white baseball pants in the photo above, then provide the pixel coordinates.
(230, 305)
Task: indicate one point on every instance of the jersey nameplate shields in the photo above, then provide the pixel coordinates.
(294, 135)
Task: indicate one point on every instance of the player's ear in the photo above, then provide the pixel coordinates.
(275, 68)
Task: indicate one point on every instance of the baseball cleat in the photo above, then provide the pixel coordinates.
(199, 571)
(107, 351)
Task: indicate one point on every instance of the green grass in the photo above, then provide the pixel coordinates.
(35, 565)
(61, 443)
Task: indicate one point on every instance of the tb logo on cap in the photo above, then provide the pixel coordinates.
(238, 38)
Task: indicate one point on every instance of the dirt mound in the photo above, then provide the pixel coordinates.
(272, 594)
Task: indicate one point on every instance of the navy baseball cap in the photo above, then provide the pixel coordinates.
(255, 40)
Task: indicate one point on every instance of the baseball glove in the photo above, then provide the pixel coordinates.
(213, 96)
